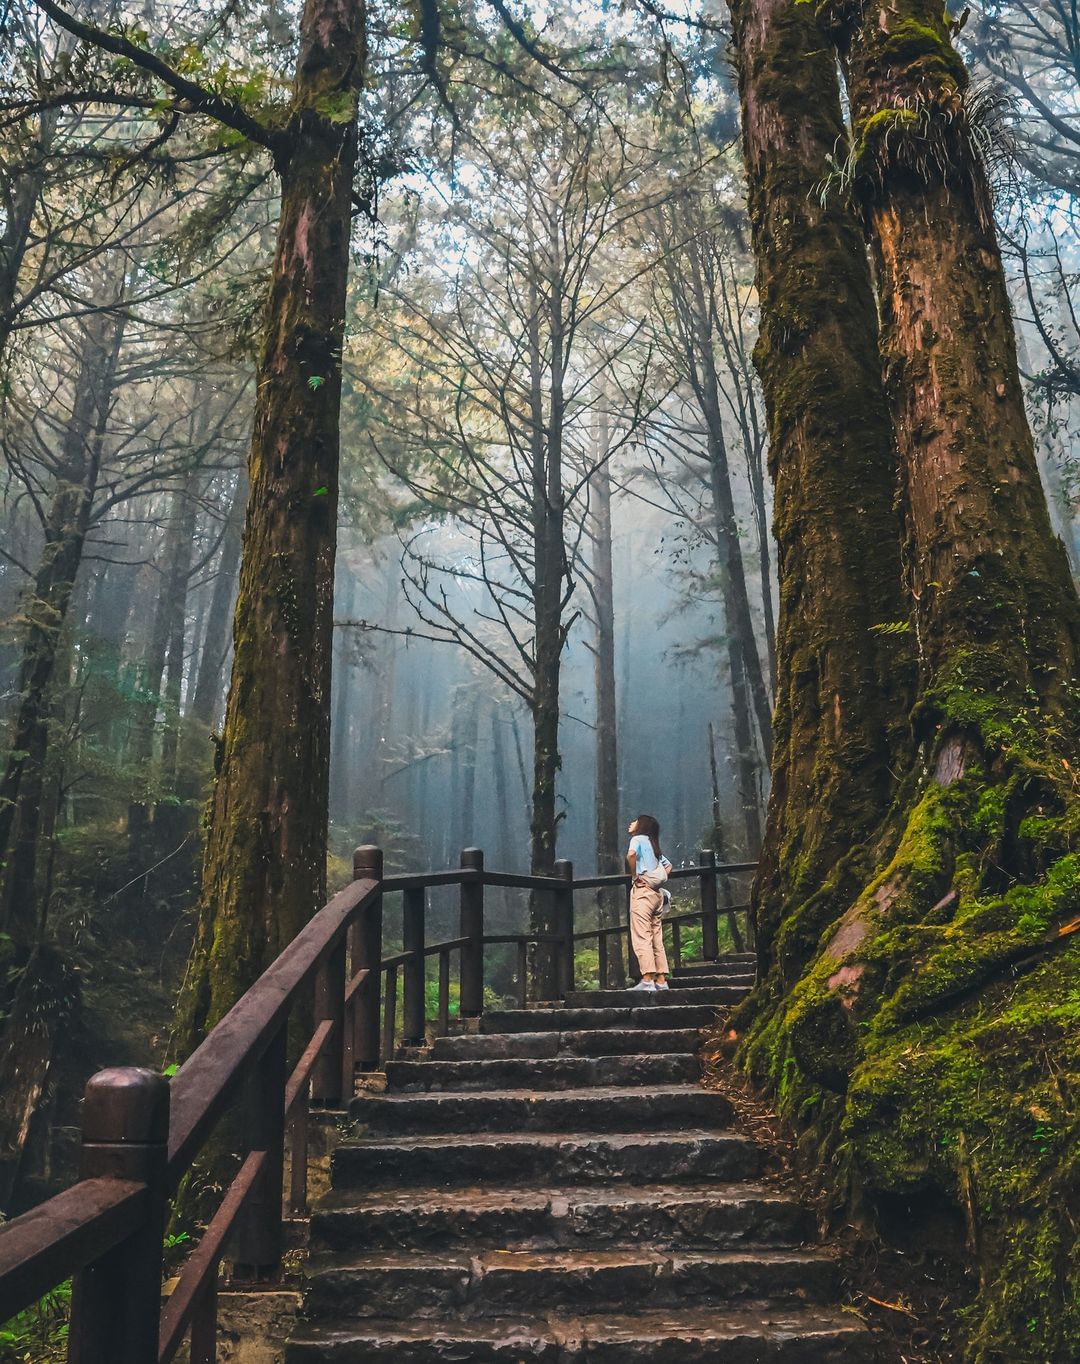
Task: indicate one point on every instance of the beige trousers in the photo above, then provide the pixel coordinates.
(647, 930)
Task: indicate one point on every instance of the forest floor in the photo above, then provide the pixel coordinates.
(909, 1295)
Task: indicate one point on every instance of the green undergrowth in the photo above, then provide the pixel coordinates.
(927, 1050)
(39, 1334)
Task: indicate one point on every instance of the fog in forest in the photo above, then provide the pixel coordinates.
(476, 460)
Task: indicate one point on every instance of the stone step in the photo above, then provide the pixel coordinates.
(691, 1216)
(526, 1158)
(681, 983)
(713, 971)
(597, 1109)
(586, 1042)
(560, 1072)
(497, 1282)
(746, 964)
(762, 1335)
(613, 999)
(559, 1019)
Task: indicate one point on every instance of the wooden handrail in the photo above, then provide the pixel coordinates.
(45, 1246)
(208, 1081)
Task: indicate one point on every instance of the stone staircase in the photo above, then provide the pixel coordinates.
(559, 1188)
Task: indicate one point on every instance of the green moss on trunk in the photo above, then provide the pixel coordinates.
(920, 1021)
(844, 655)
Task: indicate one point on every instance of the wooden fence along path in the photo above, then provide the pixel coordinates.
(141, 1132)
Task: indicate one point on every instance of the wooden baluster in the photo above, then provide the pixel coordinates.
(413, 914)
(204, 1325)
(256, 1241)
(710, 939)
(389, 1014)
(564, 927)
(676, 945)
(368, 865)
(331, 1079)
(472, 927)
(299, 1158)
(604, 969)
(522, 972)
(116, 1300)
(442, 1023)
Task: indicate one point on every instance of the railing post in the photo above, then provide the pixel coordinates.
(564, 919)
(412, 940)
(710, 940)
(116, 1300)
(368, 865)
(472, 927)
(328, 1081)
(255, 1245)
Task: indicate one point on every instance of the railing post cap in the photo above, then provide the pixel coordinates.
(708, 856)
(367, 862)
(126, 1105)
(472, 857)
(564, 868)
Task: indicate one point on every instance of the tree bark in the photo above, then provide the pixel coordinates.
(985, 568)
(264, 871)
(895, 1023)
(844, 681)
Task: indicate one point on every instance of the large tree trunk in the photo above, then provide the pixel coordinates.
(985, 568)
(924, 1028)
(843, 663)
(264, 872)
(46, 615)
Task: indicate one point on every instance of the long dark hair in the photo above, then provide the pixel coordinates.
(648, 825)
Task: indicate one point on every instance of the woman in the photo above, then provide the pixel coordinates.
(648, 871)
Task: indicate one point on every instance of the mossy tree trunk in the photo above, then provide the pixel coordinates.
(920, 1012)
(843, 661)
(264, 869)
(985, 568)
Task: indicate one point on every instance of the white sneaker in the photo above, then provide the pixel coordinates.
(661, 985)
(644, 985)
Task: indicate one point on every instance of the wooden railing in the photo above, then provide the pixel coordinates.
(141, 1132)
